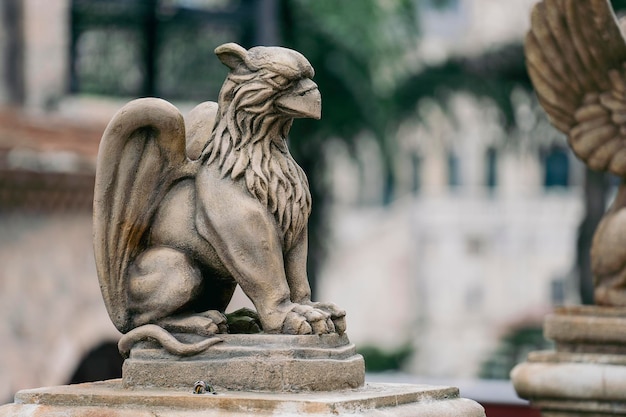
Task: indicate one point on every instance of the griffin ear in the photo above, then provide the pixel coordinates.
(231, 55)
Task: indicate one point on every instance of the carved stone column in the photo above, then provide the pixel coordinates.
(586, 374)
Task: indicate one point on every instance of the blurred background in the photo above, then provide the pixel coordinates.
(449, 216)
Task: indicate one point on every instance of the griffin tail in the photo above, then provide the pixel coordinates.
(165, 339)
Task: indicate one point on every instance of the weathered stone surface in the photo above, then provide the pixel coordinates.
(571, 381)
(252, 363)
(110, 399)
(586, 375)
(590, 329)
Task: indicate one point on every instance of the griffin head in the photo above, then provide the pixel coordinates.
(277, 76)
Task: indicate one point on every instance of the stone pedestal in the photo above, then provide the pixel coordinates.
(276, 363)
(260, 375)
(586, 374)
(111, 399)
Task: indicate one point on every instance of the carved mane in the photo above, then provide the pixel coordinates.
(249, 143)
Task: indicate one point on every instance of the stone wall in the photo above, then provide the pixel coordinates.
(49, 299)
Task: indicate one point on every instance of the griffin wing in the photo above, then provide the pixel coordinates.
(576, 56)
(141, 155)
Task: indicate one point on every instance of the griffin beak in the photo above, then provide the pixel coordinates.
(303, 101)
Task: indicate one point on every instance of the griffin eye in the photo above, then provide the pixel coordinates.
(280, 80)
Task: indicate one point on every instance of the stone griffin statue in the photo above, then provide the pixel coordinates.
(185, 211)
(576, 58)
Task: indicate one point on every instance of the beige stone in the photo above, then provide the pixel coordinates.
(573, 381)
(108, 398)
(588, 329)
(184, 211)
(278, 363)
(587, 372)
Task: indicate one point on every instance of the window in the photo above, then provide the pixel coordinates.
(556, 167)
(491, 165)
(454, 179)
(442, 4)
(154, 47)
(416, 164)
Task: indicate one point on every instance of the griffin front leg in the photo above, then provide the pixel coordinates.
(295, 270)
(328, 317)
(246, 241)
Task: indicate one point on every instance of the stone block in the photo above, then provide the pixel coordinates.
(261, 362)
(111, 399)
(586, 374)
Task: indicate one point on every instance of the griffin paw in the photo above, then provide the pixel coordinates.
(306, 319)
(337, 315)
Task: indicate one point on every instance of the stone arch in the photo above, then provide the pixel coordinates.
(99, 364)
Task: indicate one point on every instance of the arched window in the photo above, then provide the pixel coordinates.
(416, 174)
(556, 167)
(454, 174)
(491, 167)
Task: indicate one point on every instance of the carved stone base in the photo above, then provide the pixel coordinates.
(273, 363)
(586, 375)
(110, 399)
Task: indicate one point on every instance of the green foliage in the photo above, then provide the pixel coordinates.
(186, 60)
(379, 360)
(358, 50)
(361, 52)
(494, 74)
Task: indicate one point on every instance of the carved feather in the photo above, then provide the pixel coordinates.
(576, 56)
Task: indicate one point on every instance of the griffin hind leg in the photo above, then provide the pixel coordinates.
(163, 283)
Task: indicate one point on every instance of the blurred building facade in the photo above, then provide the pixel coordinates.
(481, 240)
